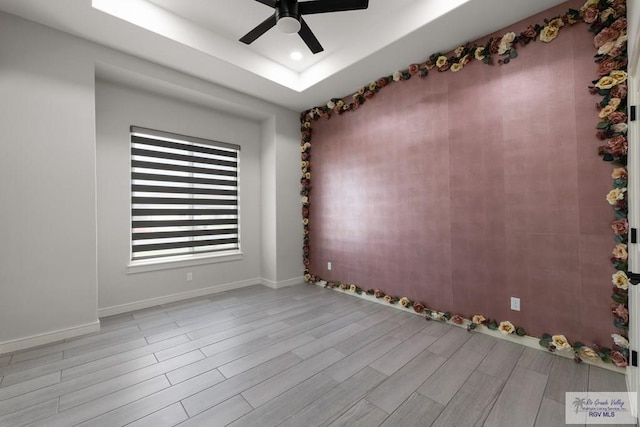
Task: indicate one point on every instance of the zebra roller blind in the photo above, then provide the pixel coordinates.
(184, 195)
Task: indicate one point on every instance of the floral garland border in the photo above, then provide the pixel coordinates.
(607, 20)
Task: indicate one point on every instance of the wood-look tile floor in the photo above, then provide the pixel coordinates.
(299, 356)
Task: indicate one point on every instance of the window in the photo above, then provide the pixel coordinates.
(184, 196)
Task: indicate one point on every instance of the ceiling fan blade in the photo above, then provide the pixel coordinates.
(262, 28)
(271, 3)
(307, 36)
(323, 6)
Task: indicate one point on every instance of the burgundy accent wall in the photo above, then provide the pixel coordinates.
(464, 189)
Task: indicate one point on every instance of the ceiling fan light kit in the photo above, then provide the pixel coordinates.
(288, 18)
(289, 25)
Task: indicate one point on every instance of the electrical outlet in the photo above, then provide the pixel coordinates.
(329, 266)
(515, 304)
(189, 276)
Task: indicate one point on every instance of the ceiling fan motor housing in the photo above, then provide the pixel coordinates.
(287, 16)
(287, 8)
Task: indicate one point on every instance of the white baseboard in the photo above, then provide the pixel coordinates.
(152, 302)
(526, 341)
(48, 337)
(284, 283)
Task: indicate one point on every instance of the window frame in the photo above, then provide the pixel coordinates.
(194, 256)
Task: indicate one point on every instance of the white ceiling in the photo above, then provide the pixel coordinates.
(200, 38)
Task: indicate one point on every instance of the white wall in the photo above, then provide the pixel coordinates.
(117, 108)
(281, 253)
(633, 21)
(288, 199)
(269, 208)
(47, 183)
(57, 261)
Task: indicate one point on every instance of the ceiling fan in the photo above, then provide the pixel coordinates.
(288, 18)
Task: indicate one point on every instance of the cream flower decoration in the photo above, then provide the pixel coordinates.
(505, 43)
(619, 173)
(620, 128)
(620, 340)
(589, 353)
(619, 76)
(397, 76)
(404, 301)
(606, 48)
(620, 279)
(506, 327)
(548, 33)
(605, 14)
(441, 61)
(615, 102)
(620, 251)
(478, 319)
(616, 194)
(456, 67)
(588, 4)
(352, 288)
(558, 22)
(436, 315)
(479, 53)
(606, 111)
(606, 82)
(560, 342)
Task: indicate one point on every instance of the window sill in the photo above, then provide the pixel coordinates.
(180, 262)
